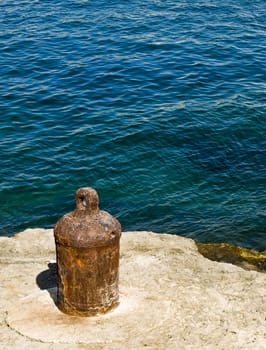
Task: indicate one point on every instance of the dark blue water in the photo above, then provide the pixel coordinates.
(158, 104)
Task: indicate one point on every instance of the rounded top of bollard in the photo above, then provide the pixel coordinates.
(87, 200)
(87, 226)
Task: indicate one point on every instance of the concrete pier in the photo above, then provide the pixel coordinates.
(171, 297)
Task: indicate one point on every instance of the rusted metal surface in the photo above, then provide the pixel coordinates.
(87, 252)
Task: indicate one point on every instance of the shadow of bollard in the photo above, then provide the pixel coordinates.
(47, 280)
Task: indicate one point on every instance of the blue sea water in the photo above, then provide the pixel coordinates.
(157, 104)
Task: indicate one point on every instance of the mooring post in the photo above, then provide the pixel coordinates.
(87, 253)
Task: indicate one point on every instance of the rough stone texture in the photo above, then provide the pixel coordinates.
(248, 259)
(171, 298)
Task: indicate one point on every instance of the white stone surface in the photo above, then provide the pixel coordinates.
(170, 298)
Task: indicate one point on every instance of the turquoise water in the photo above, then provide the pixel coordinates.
(158, 105)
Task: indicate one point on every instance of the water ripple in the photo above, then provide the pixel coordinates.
(159, 105)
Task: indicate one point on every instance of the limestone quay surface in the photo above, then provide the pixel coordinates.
(171, 297)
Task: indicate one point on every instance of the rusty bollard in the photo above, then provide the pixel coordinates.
(87, 254)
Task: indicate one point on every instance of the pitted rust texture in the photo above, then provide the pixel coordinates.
(87, 253)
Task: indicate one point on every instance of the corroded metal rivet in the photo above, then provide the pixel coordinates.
(87, 252)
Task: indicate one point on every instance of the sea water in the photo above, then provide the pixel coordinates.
(157, 104)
